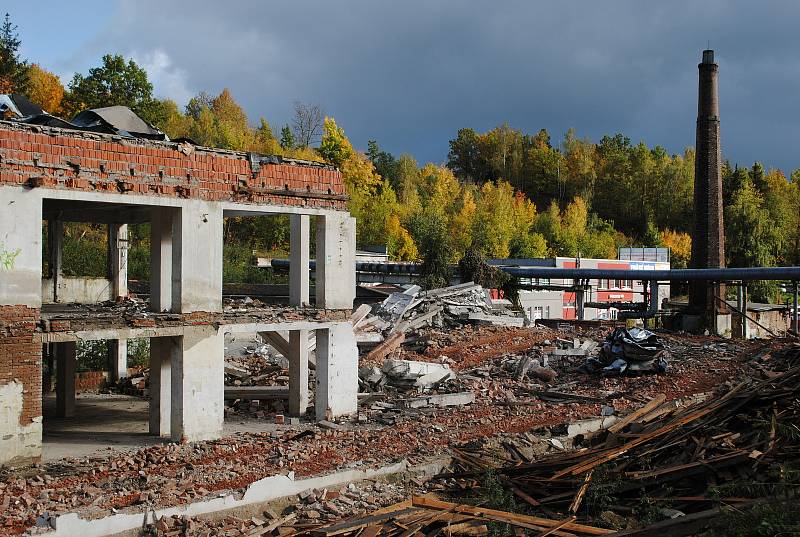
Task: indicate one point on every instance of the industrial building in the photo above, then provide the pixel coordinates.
(564, 298)
(51, 175)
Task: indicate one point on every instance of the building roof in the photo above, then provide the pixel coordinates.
(18, 106)
(119, 118)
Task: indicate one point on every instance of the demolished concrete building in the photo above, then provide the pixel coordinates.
(53, 175)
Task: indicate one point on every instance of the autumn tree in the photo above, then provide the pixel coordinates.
(45, 89)
(680, 246)
(14, 71)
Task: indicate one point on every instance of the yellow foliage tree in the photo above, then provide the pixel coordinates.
(493, 227)
(462, 223)
(45, 89)
(680, 245)
(400, 242)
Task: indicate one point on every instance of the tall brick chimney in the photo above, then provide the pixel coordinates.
(708, 237)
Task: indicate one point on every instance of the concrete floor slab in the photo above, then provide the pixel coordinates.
(106, 422)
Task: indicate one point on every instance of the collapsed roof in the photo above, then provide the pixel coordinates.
(118, 120)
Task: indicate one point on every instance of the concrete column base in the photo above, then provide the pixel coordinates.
(198, 389)
(161, 350)
(337, 372)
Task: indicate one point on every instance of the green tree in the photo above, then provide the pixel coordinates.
(465, 157)
(14, 71)
(385, 163)
(749, 236)
(432, 236)
(115, 83)
(287, 137)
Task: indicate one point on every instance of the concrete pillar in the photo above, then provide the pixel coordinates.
(198, 389)
(118, 258)
(337, 372)
(336, 261)
(118, 273)
(20, 247)
(162, 221)
(55, 252)
(161, 350)
(298, 372)
(796, 316)
(745, 299)
(20, 296)
(298, 267)
(117, 359)
(66, 363)
(197, 258)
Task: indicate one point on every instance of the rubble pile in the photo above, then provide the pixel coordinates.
(629, 351)
(662, 467)
(504, 407)
(393, 322)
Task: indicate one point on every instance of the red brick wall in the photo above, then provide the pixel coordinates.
(21, 357)
(90, 381)
(58, 158)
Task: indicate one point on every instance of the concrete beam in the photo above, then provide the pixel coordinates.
(299, 260)
(20, 247)
(298, 372)
(336, 261)
(66, 363)
(198, 389)
(279, 339)
(161, 351)
(337, 372)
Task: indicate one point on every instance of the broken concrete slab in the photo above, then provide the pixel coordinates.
(442, 400)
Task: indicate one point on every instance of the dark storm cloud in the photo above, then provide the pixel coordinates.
(410, 73)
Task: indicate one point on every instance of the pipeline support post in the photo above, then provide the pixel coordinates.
(796, 324)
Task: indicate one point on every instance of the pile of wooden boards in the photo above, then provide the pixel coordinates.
(678, 461)
(431, 517)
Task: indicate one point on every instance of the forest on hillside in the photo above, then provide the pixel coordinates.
(500, 193)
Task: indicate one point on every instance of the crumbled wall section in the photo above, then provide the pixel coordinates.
(20, 385)
(49, 157)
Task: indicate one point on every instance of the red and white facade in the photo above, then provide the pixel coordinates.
(563, 304)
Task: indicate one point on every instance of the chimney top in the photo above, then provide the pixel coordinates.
(708, 56)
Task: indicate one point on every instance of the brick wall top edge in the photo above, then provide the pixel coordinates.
(154, 144)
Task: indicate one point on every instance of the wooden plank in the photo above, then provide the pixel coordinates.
(558, 527)
(276, 524)
(346, 526)
(532, 522)
(573, 508)
(633, 416)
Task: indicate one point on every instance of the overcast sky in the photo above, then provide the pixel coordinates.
(410, 73)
